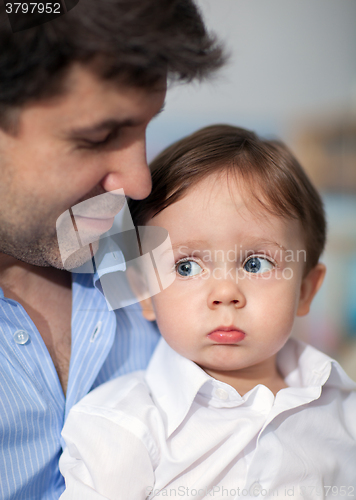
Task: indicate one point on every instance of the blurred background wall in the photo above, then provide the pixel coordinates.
(292, 75)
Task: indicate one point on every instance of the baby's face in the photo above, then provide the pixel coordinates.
(238, 278)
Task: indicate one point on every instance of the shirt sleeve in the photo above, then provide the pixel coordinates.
(103, 460)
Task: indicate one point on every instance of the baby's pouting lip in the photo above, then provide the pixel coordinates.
(226, 335)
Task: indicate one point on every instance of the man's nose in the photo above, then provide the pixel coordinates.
(127, 169)
(226, 292)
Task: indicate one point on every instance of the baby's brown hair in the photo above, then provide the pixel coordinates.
(272, 174)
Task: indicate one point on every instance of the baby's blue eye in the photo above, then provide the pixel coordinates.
(258, 265)
(188, 268)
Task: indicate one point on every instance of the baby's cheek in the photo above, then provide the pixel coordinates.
(170, 313)
(283, 311)
(276, 304)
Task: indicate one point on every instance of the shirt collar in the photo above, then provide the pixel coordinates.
(108, 259)
(305, 366)
(175, 381)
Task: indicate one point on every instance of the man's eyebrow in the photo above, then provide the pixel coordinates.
(108, 124)
(103, 126)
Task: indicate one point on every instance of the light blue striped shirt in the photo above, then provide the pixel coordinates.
(33, 408)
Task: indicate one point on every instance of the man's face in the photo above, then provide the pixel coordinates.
(237, 272)
(85, 143)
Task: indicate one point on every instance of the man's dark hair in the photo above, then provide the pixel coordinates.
(138, 41)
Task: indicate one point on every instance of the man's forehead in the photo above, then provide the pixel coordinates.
(83, 85)
(87, 77)
(90, 101)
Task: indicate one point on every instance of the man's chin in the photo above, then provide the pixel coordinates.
(46, 253)
(81, 260)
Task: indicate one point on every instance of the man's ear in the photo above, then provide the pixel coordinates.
(308, 288)
(139, 288)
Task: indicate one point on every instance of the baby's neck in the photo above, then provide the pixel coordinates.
(246, 379)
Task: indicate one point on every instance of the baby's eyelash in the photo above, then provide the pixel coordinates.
(184, 259)
(261, 256)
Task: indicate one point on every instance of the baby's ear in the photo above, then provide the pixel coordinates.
(147, 309)
(308, 288)
(140, 289)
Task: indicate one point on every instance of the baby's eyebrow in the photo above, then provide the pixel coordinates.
(199, 244)
(264, 243)
(191, 245)
(257, 245)
(187, 246)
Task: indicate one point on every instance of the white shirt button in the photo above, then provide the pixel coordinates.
(21, 337)
(221, 394)
(255, 489)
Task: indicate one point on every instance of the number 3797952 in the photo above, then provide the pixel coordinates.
(32, 8)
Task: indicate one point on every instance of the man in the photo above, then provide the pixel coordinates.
(76, 95)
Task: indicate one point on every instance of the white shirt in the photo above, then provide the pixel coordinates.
(174, 431)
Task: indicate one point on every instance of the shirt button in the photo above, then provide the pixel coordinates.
(222, 394)
(21, 337)
(255, 489)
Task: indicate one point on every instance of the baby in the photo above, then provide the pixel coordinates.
(230, 406)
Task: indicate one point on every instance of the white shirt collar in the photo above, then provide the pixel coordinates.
(175, 381)
(305, 366)
(109, 258)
